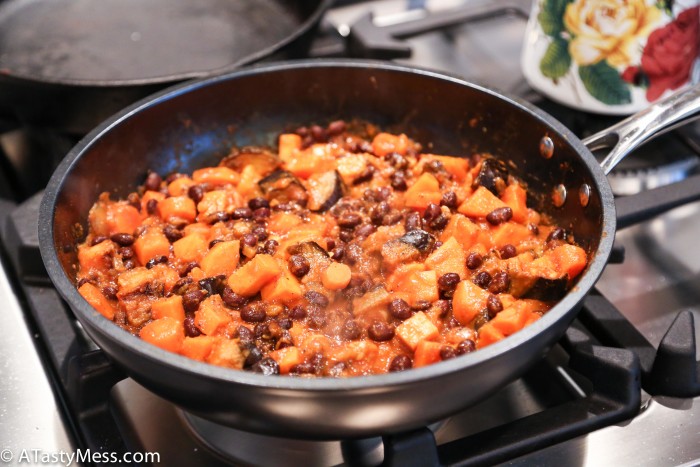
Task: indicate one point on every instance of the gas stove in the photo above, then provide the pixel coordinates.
(621, 388)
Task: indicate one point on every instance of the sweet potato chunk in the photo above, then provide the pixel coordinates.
(252, 276)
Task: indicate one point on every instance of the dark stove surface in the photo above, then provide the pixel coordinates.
(622, 388)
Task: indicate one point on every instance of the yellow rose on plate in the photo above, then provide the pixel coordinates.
(609, 30)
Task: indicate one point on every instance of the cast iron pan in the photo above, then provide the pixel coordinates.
(192, 125)
(73, 63)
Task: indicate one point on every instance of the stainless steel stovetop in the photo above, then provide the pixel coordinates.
(659, 277)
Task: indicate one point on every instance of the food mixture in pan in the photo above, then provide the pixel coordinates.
(344, 252)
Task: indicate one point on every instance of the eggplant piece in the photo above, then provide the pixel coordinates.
(325, 190)
(493, 176)
(548, 289)
(397, 252)
(261, 159)
(420, 239)
(283, 187)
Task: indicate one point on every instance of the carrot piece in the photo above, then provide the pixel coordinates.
(569, 259)
(386, 143)
(226, 352)
(457, 166)
(216, 176)
(515, 196)
(427, 352)
(95, 257)
(166, 333)
(222, 259)
(97, 299)
(211, 316)
(315, 159)
(289, 143)
(197, 348)
(488, 334)
(252, 276)
(177, 208)
(468, 300)
(191, 248)
(169, 306)
(336, 276)
(285, 289)
(415, 329)
(480, 203)
(510, 232)
(424, 191)
(450, 257)
(149, 195)
(152, 243)
(463, 229)
(287, 358)
(180, 186)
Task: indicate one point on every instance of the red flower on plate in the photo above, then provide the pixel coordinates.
(670, 52)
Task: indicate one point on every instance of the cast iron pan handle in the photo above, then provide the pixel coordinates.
(675, 110)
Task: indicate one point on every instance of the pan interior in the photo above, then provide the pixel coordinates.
(123, 40)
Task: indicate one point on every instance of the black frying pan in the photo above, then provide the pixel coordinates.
(191, 125)
(70, 64)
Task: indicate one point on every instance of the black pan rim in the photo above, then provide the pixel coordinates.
(564, 310)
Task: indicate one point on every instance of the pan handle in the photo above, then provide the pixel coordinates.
(671, 112)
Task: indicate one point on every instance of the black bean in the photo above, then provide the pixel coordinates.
(338, 253)
(213, 285)
(349, 220)
(556, 234)
(218, 216)
(400, 363)
(126, 252)
(421, 305)
(122, 239)
(261, 214)
(533, 228)
(474, 260)
(257, 203)
(392, 217)
(153, 181)
(382, 193)
(180, 286)
(285, 323)
(483, 279)
(253, 357)
(365, 176)
(377, 212)
(232, 299)
(439, 223)
(319, 134)
(500, 282)
(336, 127)
(508, 251)
(499, 215)
(253, 313)
(271, 247)
(156, 260)
(346, 235)
(350, 330)
(493, 305)
(316, 317)
(191, 330)
(466, 346)
(449, 199)
(353, 253)
(380, 331)
(110, 292)
(443, 307)
(413, 222)
(249, 239)
(400, 309)
(448, 281)
(302, 131)
(134, 200)
(481, 318)
(397, 161)
(196, 193)
(433, 166)
(151, 206)
(267, 366)
(285, 340)
(129, 264)
(447, 352)
(298, 312)
(242, 213)
(260, 232)
(398, 181)
(298, 265)
(330, 244)
(317, 298)
(97, 240)
(245, 335)
(189, 267)
(364, 231)
(431, 212)
(214, 242)
(172, 233)
(192, 299)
